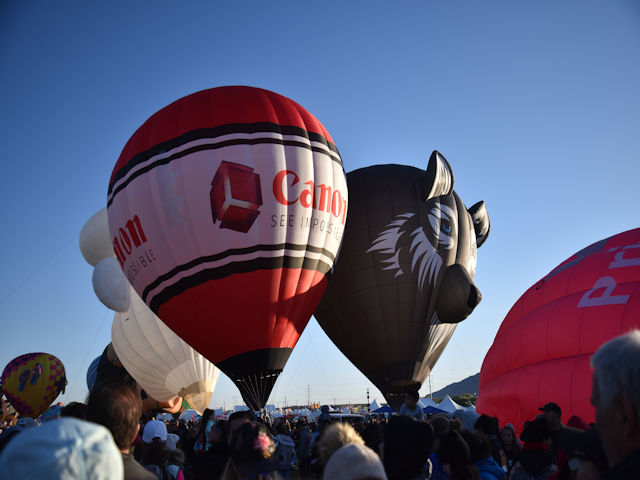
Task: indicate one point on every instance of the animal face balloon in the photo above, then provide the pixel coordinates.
(541, 352)
(226, 211)
(405, 274)
(32, 382)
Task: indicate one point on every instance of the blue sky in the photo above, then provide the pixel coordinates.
(536, 106)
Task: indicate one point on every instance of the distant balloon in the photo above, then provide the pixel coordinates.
(92, 373)
(227, 210)
(162, 363)
(405, 274)
(31, 382)
(541, 352)
(110, 285)
(95, 241)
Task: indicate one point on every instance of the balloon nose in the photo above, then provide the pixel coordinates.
(458, 296)
(475, 297)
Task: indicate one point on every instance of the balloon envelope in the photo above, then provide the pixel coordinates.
(95, 241)
(227, 210)
(160, 361)
(110, 285)
(92, 373)
(31, 382)
(404, 277)
(541, 351)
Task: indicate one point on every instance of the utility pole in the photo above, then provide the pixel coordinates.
(308, 395)
(368, 409)
(430, 393)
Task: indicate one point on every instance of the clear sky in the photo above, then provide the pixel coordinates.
(536, 105)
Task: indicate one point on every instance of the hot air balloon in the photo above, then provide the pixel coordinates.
(404, 277)
(92, 373)
(227, 210)
(95, 241)
(31, 382)
(110, 285)
(541, 351)
(162, 363)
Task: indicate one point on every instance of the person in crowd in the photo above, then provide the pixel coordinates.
(441, 427)
(616, 398)
(211, 464)
(480, 451)
(354, 461)
(66, 448)
(510, 446)
(155, 456)
(455, 457)
(74, 409)
(467, 417)
(335, 436)
(552, 413)
(285, 449)
(536, 460)
(410, 407)
(406, 448)
(253, 454)
(325, 416)
(206, 424)
(304, 447)
(487, 428)
(237, 419)
(118, 407)
(372, 434)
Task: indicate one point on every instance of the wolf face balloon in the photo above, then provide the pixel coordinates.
(405, 274)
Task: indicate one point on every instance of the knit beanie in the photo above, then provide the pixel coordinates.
(352, 462)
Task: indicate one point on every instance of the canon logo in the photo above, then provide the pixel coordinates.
(319, 197)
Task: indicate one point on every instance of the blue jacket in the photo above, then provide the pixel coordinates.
(490, 470)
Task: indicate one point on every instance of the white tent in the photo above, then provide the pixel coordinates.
(448, 405)
(427, 402)
(240, 408)
(374, 406)
(189, 415)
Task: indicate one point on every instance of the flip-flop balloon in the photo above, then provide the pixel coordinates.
(31, 382)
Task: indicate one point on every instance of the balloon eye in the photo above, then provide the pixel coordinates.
(445, 226)
(37, 371)
(24, 376)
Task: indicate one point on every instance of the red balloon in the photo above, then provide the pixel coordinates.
(542, 350)
(226, 211)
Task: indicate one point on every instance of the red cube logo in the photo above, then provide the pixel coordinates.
(235, 196)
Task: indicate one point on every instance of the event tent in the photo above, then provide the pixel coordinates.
(448, 405)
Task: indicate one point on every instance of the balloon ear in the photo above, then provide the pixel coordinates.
(439, 176)
(481, 223)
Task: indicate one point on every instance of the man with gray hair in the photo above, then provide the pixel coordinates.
(616, 398)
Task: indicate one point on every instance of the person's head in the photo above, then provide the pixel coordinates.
(479, 448)
(74, 409)
(253, 451)
(440, 428)
(455, 457)
(219, 432)
(117, 406)
(61, 449)
(552, 413)
(335, 436)
(236, 420)
(508, 438)
(407, 446)
(537, 431)
(281, 428)
(486, 426)
(411, 398)
(616, 395)
(352, 462)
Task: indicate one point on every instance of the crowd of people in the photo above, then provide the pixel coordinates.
(111, 437)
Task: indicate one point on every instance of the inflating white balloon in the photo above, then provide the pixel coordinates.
(160, 361)
(95, 240)
(110, 285)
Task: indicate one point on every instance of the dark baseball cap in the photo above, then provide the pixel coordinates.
(552, 407)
